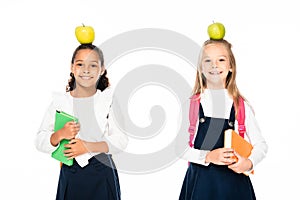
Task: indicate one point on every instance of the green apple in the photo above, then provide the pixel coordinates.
(216, 31)
(85, 34)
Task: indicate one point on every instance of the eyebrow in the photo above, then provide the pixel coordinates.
(204, 57)
(96, 61)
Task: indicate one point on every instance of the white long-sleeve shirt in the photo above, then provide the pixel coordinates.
(98, 110)
(217, 104)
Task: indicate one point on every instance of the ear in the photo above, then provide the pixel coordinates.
(102, 70)
(72, 68)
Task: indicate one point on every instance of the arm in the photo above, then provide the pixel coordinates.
(46, 139)
(114, 134)
(220, 156)
(254, 136)
(42, 140)
(114, 141)
(78, 147)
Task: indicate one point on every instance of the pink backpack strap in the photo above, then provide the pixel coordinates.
(241, 117)
(193, 116)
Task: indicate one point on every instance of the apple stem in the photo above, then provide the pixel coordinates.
(83, 25)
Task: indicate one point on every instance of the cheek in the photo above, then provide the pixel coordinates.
(76, 71)
(97, 72)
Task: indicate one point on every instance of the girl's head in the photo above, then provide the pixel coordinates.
(87, 69)
(216, 68)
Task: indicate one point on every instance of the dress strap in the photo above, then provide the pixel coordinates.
(232, 116)
(201, 114)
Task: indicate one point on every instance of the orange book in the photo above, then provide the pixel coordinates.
(233, 140)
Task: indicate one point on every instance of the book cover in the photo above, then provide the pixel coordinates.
(233, 140)
(61, 118)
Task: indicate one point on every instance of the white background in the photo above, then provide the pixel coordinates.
(37, 41)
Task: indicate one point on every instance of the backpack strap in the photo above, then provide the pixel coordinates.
(241, 117)
(193, 116)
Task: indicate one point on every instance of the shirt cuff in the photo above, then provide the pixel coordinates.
(43, 143)
(196, 156)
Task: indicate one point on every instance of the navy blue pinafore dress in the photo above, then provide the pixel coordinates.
(214, 182)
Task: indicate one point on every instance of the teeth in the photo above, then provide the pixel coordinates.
(214, 73)
(85, 77)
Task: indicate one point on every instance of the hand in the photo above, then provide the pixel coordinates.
(75, 147)
(221, 156)
(242, 165)
(70, 130)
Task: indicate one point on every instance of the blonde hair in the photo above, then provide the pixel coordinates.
(230, 84)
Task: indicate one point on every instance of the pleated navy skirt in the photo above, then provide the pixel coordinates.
(98, 180)
(215, 182)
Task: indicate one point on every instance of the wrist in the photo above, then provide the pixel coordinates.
(250, 165)
(55, 138)
(207, 158)
(86, 146)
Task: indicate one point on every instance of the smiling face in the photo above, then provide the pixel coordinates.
(86, 69)
(215, 65)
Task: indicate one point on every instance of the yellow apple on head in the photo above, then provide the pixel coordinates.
(216, 31)
(85, 34)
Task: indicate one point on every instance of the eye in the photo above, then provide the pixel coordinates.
(79, 64)
(222, 59)
(207, 60)
(94, 65)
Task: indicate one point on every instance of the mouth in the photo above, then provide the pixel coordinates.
(215, 72)
(86, 77)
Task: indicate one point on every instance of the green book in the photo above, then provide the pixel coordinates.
(61, 118)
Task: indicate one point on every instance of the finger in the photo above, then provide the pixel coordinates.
(68, 151)
(69, 156)
(237, 154)
(228, 161)
(228, 155)
(232, 166)
(69, 124)
(73, 141)
(68, 146)
(227, 150)
(73, 123)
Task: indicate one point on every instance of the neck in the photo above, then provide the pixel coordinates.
(80, 92)
(215, 86)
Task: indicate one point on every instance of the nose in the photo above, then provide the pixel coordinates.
(86, 69)
(214, 64)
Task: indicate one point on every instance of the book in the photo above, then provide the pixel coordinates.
(233, 140)
(61, 118)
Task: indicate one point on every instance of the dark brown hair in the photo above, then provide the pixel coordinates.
(103, 81)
